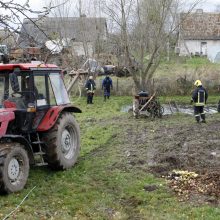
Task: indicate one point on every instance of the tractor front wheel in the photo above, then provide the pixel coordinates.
(14, 169)
(63, 143)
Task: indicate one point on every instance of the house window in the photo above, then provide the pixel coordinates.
(203, 50)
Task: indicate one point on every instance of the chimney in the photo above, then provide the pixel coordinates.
(199, 11)
(41, 16)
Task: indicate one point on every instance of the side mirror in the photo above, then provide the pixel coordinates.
(14, 82)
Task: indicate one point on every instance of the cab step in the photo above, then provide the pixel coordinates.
(38, 142)
(39, 153)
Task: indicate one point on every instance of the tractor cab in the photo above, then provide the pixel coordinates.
(31, 90)
(37, 126)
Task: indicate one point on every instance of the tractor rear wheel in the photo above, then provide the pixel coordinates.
(63, 143)
(14, 168)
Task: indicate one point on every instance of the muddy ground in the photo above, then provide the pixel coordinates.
(176, 142)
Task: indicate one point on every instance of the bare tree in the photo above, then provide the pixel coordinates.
(14, 12)
(120, 12)
(152, 31)
(81, 22)
(145, 28)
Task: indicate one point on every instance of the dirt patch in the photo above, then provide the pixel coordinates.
(195, 148)
(150, 188)
(161, 148)
(131, 203)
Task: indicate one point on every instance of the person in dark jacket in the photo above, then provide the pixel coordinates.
(90, 88)
(30, 96)
(199, 98)
(107, 86)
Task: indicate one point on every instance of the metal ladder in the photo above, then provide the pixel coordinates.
(38, 156)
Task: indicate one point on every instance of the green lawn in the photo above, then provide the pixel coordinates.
(101, 185)
(212, 99)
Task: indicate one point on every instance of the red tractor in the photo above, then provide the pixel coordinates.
(36, 123)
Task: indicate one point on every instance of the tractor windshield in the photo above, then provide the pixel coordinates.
(59, 89)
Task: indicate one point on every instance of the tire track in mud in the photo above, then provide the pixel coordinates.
(159, 147)
(167, 146)
(176, 146)
(195, 148)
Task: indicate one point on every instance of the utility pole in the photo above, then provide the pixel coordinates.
(80, 8)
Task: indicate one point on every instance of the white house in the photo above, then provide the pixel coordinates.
(199, 35)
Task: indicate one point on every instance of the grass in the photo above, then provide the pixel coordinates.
(101, 186)
(212, 99)
(192, 69)
(168, 76)
(198, 61)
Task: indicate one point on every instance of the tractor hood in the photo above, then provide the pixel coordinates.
(6, 115)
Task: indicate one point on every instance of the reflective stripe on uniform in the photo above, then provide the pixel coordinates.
(198, 103)
(197, 115)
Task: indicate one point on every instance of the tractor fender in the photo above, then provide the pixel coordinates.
(5, 117)
(22, 140)
(53, 114)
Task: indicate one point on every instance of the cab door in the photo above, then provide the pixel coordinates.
(42, 101)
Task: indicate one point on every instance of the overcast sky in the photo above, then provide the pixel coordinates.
(207, 5)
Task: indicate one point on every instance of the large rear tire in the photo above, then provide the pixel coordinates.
(14, 169)
(63, 143)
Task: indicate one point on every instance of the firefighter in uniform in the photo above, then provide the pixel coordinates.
(107, 86)
(199, 98)
(90, 88)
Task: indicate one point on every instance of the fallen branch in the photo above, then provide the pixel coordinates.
(8, 215)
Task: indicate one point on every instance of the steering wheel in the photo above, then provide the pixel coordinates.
(20, 94)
